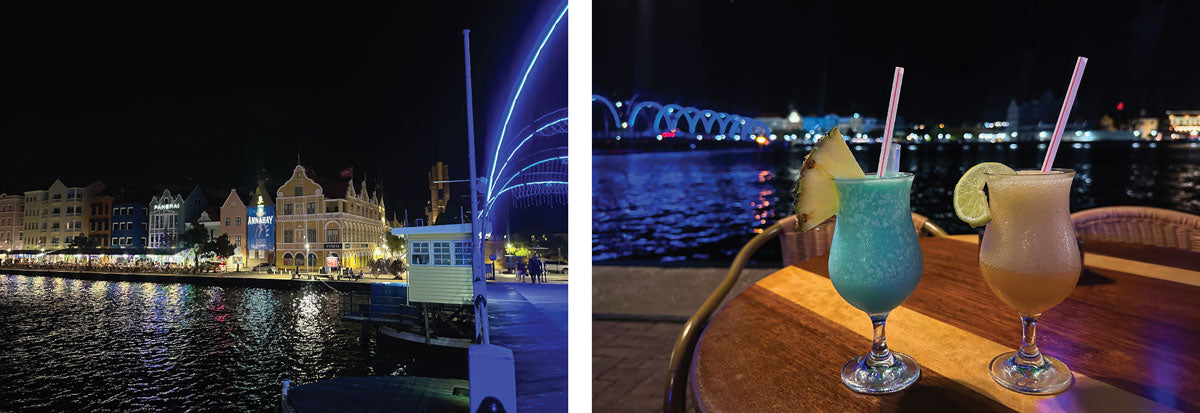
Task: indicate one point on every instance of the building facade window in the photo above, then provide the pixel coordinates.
(462, 253)
(287, 236)
(287, 260)
(420, 253)
(227, 220)
(287, 209)
(441, 253)
(299, 191)
(312, 235)
(331, 235)
(238, 220)
(311, 208)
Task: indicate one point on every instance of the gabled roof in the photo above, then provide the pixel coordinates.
(233, 200)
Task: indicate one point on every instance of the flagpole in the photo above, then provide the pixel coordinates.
(479, 283)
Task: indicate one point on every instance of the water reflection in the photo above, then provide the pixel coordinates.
(98, 345)
(704, 205)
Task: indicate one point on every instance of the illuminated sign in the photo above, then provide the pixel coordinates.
(331, 261)
(333, 246)
(260, 227)
(166, 206)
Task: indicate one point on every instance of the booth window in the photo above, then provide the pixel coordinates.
(420, 253)
(441, 253)
(462, 253)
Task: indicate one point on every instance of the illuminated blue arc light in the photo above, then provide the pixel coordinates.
(517, 95)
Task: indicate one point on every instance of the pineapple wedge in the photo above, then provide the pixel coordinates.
(816, 197)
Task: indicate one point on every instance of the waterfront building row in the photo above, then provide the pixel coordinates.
(321, 223)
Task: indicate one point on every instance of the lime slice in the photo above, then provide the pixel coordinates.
(970, 203)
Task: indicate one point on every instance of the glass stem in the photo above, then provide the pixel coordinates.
(1029, 353)
(881, 356)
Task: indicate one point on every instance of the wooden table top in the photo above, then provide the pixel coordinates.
(1130, 332)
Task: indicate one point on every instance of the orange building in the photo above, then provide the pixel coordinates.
(233, 225)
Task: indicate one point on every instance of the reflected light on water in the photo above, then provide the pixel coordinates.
(76, 345)
(705, 205)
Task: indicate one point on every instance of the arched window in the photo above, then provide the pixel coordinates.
(312, 260)
(287, 259)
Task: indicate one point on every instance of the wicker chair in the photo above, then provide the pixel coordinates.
(1139, 225)
(796, 246)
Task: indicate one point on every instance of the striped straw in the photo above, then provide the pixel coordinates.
(1063, 114)
(890, 125)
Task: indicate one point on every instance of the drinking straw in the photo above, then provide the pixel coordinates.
(891, 121)
(1065, 112)
(893, 163)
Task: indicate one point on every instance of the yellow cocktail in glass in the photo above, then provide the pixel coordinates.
(1030, 259)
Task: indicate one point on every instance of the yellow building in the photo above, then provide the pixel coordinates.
(319, 223)
(55, 215)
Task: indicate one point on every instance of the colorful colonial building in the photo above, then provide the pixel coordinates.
(56, 214)
(99, 218)
(170, 215)
(12, 211)
(327, 224)
(166, 221)
(129, 226)
(233, 217)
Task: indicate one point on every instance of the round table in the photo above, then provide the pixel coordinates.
(1130, 331)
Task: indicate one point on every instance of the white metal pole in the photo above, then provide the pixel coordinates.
(479, 281)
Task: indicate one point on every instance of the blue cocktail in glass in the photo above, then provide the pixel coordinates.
(875, 264)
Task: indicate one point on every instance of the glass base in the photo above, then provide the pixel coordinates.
(1050, 377)
(859, 375)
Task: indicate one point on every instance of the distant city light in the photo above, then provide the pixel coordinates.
(1043, 134)
(761, 140)
(1014, 134)
(940, 125)
(618, 104)
(699, 137)
(794, 117)
(773, 136)
(618, 137)
(856, 115)
(1120, 105)
(659, 137)
(624, 125)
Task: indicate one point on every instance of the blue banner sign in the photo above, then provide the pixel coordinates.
(260, 227)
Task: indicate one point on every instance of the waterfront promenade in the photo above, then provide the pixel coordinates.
(637, 313)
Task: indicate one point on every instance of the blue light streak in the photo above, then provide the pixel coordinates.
(499, 172)
(502, 191)
(510, 179)
(517, 96)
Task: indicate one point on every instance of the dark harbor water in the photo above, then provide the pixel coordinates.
(703, 205)
(83, 345)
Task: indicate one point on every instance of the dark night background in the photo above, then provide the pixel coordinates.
(181, 94)
(963, 60)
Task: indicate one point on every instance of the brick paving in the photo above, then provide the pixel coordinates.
(629, 364)
(629, 358)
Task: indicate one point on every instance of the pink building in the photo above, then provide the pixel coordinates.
(12, 208)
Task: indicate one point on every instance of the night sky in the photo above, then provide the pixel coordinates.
(963, 61)
(181, 94)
